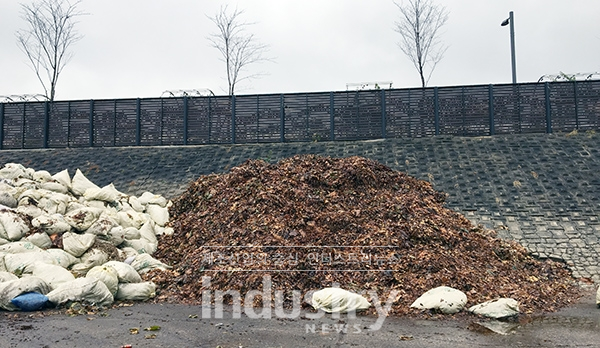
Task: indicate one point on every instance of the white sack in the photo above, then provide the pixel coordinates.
(150, 198)
(51, 224)
(7, 200)
(13, 171)
(19, 247)
(106, 274)
(61, 257)
(81, 219)
(7, 276)
(63, 178)
(445, 299)
(14, 288)
(40, 239)
(116, 236)
(41, 176)
(338, 300)
(77, 244)
(53, 275)
(159, 214)
(125, 273)
(136, 291)
(106, 194)
(135, 204)
(131, 233)
(12, 226)
(30, 210)
(147, 233)
(23, 262)
(131, 218)
(142, 246)
(55, 187)
(499, 308)
(89, 290)
(80, 183)
(144, 263)
(91, 258)
(102, 226)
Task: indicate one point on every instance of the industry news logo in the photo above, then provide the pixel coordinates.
(306, 259)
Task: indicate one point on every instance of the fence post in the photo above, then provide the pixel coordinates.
(91, 122)
(24, 116)
(331, 117)
(185, 120)
(548, 110)
(383, 115)
(138, 122)
(46, 123)
(491, 108)
(436, 111)
(233, 119)
(1, 126)
(575, 100)
(281, 119)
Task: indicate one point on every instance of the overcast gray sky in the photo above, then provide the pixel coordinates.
(140, 48)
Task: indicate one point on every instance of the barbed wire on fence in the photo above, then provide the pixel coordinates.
(20, 98)
(177, 93)
(561, 76)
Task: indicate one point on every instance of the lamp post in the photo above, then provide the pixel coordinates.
(510, 20)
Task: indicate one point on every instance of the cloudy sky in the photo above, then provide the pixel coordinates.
(140, 48)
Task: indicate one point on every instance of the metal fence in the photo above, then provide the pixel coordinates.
(302, 117)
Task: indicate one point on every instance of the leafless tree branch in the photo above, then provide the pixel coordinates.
(46, 41)
(238, 48)
(418, 26)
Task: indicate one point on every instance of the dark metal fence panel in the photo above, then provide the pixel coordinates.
(357, 115)
(588, 105)
(33, 128)
(125, 122)
(532, 108)
(172, 121)
(199, 121)
(507, 110)
(13, 125)
(79, 125)
(150, 122)
(464, 111)
(564, 112)
(307, 117)
(59, 124)
(349, 115)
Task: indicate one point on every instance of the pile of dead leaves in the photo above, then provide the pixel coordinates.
(311, 221)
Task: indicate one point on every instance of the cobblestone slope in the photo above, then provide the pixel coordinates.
(541, 190)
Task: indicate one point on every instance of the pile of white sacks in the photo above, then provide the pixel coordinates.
(108, 238)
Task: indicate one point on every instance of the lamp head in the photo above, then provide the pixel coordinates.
(505, 22)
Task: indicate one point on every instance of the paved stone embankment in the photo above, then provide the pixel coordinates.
(540, 190)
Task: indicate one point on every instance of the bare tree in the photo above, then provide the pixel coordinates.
(238, 48)
(47, 40)
(419, 26)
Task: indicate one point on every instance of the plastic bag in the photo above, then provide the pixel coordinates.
(14, 288)
(81, 219)
(22, 262)
(445, 299)
(136, 291)
(51, 224)
(89, 290)
(61, 257)
(159, 214)
(30, 301)
(338, 300)
(19, 247)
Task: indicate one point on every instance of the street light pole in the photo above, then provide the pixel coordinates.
(510, 20)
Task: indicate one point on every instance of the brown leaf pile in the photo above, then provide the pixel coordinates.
(311, 221)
